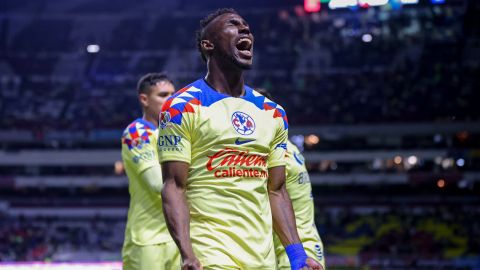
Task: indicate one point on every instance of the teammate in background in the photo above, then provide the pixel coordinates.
(223, 161)
(300, 190)
(147, 244)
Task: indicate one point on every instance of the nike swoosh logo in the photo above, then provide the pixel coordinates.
(239, 142)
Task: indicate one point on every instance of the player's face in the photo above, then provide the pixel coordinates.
(158, 95)
(233, 40)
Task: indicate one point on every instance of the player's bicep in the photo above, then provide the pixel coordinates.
(175, 173)
(276, 179)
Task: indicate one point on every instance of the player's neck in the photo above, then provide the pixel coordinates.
(229, 82)
(150, 118)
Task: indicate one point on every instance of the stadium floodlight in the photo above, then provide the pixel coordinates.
(311, 139)
(460, 162)
(447, 163)
(93, 48)
(367, 38)
(412, 160)
(398, 160)
(441, 183)
(372, 3)
(312, 5)
(342, 3)
(407, 2)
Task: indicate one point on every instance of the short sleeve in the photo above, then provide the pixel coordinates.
(140, 151)
(175, 136)
(278, 146)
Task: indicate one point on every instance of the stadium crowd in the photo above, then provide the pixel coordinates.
(54, 238)
(374, 65)
(386, 233)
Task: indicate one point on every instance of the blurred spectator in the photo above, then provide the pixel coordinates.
(374, 65)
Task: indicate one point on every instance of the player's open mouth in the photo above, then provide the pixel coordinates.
(244, 46)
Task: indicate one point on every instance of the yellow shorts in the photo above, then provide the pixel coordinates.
(159, 257)
(224, 263)
(220, 267)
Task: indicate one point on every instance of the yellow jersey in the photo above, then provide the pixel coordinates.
(229, 142)
(145, 224)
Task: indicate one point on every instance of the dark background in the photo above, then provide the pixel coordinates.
(383, 100)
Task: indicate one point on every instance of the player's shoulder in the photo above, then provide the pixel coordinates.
(139, 125)
(182, 101)
(187, 101)
(294, 154)
(268, 103)
(264, 103)
(192, 90)
(138, 132)
(198, 93)
(291, 147)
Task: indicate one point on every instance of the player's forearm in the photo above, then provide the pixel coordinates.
(177, 216)
(283, 216)
(284, 220)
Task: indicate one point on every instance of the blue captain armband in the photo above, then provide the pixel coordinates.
(296, 255)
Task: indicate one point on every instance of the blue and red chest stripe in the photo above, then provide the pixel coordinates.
(200, 93)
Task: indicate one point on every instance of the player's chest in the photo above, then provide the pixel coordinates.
(237, 124)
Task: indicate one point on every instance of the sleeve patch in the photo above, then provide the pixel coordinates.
(136, 135)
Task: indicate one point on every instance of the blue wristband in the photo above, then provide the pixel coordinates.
(296, 255)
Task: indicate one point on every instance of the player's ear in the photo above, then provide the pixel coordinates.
(207, 46)
(143, 99)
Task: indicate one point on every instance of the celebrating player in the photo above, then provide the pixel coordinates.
(222, 147)
(147, 245)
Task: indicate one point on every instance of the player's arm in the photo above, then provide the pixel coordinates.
(144, 161)
(175, 167)
(176, 211)
(282, 210)
(151, 176)
(284, 221)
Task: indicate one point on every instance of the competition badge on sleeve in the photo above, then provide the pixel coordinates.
(136, 135)
(164, 119)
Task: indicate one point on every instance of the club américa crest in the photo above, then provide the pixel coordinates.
(243, 123)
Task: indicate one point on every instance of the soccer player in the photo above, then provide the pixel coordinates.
(222, 147)
(147, 245)
(300, 190)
